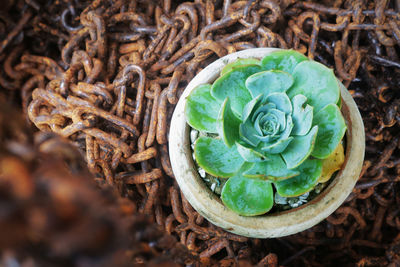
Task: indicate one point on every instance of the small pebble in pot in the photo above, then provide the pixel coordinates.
(202, 173)
(294, 202)
(280, 200)
(193, 135)
(304, 196)
(213, 186)
(318, 188)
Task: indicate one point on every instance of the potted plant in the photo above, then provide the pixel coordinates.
(271, 127)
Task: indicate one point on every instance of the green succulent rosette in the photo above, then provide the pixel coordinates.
(276, 121)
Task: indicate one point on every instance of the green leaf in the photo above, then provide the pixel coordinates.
(282, 60)
(250, 106)
(246, 165)
(310, 171)
(248, 133)
(274, 169)
(267, 82)
(278, 147)
(273, 125)
(247, 197)
(228, 124)
(281, 101)
(201, 109)
(232, 85)
(216, 158)
(331, 129)
(276, 121)
(300, 148)
(262, 109)
(302, 117)
(250, 154)
(239, 62)
(279, 118)
(317, 82)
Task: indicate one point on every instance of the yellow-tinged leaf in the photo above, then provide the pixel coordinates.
(332, 163)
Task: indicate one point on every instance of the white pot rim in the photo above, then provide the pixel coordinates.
(269, 225)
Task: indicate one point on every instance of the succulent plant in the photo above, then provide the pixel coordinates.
(278, 124)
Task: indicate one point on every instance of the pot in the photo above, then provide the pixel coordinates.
(268, 225)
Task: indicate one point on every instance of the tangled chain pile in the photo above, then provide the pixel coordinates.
(53, 214)
(106, 74)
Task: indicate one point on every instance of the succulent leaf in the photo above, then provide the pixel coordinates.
(272, 128)
(262, 109)
(232, 85)
(248, 133)
(282, 60)
(250, 154)
(216, 158)
(267, 82)
(278, 146)
(274, 169)
(267, 125)
(302, 117)
(250, 107)
(281, 101)
(247, 197)
(202, 109)
(331, 129)
(299, 148)
(228, 124)
(317, 82)
(309, 171)
(281, 143)
(239, 62)
(332, 164)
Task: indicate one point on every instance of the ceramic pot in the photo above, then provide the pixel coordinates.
(268, 225)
